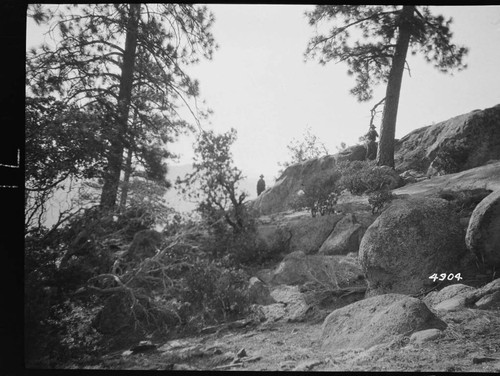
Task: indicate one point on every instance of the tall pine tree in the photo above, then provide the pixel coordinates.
(123, 59)
(382, 37)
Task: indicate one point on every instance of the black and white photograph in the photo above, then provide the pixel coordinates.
(260, 187)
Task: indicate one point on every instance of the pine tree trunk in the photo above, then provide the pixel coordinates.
(385, 155)
(115, 156)
(128, 171)
(126, 179)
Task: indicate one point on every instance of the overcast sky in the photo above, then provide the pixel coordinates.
(259, 84)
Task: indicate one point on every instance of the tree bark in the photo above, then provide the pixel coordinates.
(385, 155)
(126, 179)
(115, 157)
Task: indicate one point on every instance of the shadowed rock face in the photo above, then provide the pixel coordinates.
(483, 233)
(411, 240)
(474, 136)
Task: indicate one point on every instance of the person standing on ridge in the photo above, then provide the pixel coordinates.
(371, 144)
(261, 185)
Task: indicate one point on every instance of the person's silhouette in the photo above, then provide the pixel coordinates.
(261, 185)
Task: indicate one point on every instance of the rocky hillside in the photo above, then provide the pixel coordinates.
(462, 142)
(455, 145)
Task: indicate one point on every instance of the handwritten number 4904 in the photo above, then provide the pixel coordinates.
(444, 276)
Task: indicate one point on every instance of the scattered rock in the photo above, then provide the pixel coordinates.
(299, 231)
(446, 293)
(491, 301)
(265, 275)
(294, 305)
(488, 289)
(345, 237)
(376, 320)
(286, 365)
(307, 365)
(298, 268)
(174, 344)
(183, 367)
(258, 292)
(452, 304)
(411, 240)
(483, 233)
(308, 234)
(425, 336)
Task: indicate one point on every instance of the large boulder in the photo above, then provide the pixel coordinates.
(411, 240)
(291, 232)
(449, 292)
(459, 296)
(345, 237)
(483, 232)
(376, 320)
(308, 234)
(258, 292)
(462, 142)
(289, 305)
(336, 271)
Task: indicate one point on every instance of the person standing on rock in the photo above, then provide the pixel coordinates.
(261, 185)
(371, 144)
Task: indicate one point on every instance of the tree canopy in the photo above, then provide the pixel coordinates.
(119, 60)
(374, 40)
(306, 148)
(215, 179)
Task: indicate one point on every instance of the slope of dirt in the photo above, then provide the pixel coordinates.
(470, 343)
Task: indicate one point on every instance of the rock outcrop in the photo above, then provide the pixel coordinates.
(411, 240)
(336, 271)
(449, 292)
(284, 191)
(464, 141)
(345, 237)
(458, 296)
(376, 320)
(485, 177)
(258, 292)
(292, 232)
(483, 232)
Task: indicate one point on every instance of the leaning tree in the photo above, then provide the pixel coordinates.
(127, 61)
(374, 40)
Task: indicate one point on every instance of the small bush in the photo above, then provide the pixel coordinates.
(319, 195)
(378, 199)
(215, 293)
(360, 177)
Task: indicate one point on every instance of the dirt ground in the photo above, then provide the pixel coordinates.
(471, 343)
